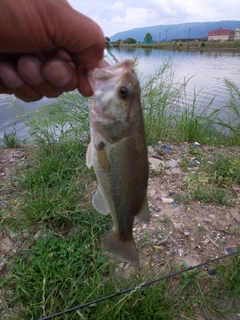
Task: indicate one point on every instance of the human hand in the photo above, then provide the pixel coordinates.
(47, 48)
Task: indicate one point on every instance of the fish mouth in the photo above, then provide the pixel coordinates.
(110, 75)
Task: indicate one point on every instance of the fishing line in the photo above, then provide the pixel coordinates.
(145, 284)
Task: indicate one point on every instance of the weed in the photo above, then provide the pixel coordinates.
(190, 289)
(55, 272)
(200, 227)
(194, 121)
(197, 152)
(153, 172)
(159, 96)
(165, 219)
(184, 163)
(228, 273)
(10, 139)
(62, 120)
(224, 170)
(182, 199)
(211, 195)
(232, 112)
(211, 184)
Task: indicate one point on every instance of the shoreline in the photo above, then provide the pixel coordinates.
(209, 46)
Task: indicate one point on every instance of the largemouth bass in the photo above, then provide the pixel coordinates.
(118, 153)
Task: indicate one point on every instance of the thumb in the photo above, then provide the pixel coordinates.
(77, 34)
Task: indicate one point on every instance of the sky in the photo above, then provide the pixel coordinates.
(121, 15)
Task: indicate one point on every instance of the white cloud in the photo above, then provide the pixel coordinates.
(121, 15)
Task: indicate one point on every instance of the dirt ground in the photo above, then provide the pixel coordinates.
(192, 234)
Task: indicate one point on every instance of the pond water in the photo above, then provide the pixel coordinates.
(208, 71)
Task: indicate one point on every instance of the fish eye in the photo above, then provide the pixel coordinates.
(123, 92)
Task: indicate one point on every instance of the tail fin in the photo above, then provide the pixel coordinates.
(125, 249)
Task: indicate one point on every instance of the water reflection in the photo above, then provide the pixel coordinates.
(147, 52)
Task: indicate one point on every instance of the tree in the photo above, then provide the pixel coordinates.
(130, 41)
(118, 42)
(148, 37)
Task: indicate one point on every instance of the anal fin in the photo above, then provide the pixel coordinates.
(143, 214)
(100, 203)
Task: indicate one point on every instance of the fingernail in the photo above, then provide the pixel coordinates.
(10, 78)
(57, 73)
(30, 70)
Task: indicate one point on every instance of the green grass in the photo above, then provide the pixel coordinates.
(66, 265)
(159, 96)
(195, 122)
(61, 120)
(229, 276)
(169, 117)
(215, 178)
(57, 183)
(11, 140)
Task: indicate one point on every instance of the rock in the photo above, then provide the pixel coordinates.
(235, 213)
(172, 163)
(6, 244)
(37, 234)
(12, 234)
(151, 150)
(175, 171)
(156, 164)
(207, 220)
(167, 200)
(191, 261)
(186, 233)
(163, 243)
(27, 244)
(212, 216)
(212, 272)
(180, 251)
(192, 163)
(153, 153)
(206, 241)
(231, 250)
(26, 234)
(151, 193)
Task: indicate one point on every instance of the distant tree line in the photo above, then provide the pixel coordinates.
(147, 38)
(127, 41)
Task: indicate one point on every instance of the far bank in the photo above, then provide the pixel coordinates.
(214, 46)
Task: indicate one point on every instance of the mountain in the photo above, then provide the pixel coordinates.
(182, 30)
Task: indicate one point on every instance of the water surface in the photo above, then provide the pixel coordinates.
(208, 71)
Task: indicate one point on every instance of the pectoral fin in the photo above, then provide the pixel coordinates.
(100, 203)
(143, 214)
(89, 155)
